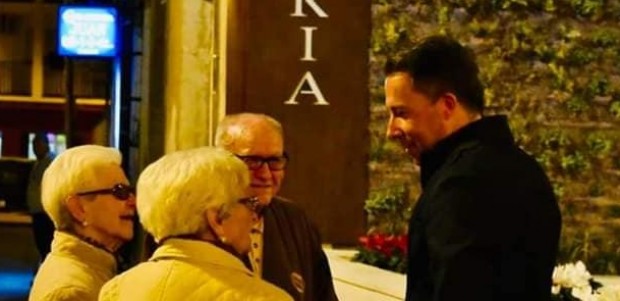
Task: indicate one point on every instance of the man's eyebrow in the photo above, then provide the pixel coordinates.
(261, 157)
(397, 107)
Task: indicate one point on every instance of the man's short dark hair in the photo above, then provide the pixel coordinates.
(440, 64)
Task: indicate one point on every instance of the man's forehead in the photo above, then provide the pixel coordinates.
(257, 141)
(400, 75)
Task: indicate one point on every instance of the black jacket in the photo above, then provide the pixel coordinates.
(487, 224)
(292, 248)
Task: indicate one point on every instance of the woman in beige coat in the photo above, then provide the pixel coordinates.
(87, 196)
(195, 204)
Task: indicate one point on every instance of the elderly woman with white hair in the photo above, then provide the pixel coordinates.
(87, 195)
(195, 204)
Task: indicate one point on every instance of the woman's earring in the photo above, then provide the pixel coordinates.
(84, 223)
(223, 239)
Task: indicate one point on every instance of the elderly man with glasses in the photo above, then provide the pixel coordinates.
(286, 246)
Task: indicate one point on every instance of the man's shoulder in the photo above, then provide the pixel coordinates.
(486, 170)
(288, 212)
(483, 159)
(280, 203)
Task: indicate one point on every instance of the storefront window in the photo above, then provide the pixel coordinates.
(15, 53)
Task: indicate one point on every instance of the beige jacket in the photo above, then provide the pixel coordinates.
(73, 270)
(190, 270)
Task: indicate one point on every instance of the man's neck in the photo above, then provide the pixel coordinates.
(460, 119)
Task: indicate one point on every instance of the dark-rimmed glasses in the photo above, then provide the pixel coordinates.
(119, 191)
(256, 162)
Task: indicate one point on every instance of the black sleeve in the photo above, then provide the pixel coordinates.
(324, 284)
(323, 279)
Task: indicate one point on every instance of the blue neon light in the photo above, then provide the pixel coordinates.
(14, 284)
(87, 31)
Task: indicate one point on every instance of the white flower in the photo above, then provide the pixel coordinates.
(576, 278)
(572, 275)
(584, 293)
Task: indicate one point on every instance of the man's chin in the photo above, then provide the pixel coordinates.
(264, 194)
(414, 154)
(265, 199)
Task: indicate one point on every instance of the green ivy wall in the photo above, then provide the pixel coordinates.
(552, 66)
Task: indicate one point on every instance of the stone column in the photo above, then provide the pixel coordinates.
(182, 75)
(190, 100)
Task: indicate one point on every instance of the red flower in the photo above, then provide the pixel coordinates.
(383, 251)
(385, 244)
(401, 243)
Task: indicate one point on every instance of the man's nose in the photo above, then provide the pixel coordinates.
(263, 171)
(392, 130)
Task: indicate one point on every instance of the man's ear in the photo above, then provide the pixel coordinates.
(215, 222)
(450, 103)
(75, 208)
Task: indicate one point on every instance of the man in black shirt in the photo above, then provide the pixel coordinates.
(487, 224)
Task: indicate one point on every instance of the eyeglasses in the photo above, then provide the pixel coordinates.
(256, 162)
(119, 191)
(253, 203)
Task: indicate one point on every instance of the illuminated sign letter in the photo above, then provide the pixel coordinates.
(315, 7)
(308, 43)
(314, 90)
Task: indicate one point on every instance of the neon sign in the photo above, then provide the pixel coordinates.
(87, 31)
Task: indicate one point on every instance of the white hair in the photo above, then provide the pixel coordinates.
(174, 192)
(72, 171)
(240, 126)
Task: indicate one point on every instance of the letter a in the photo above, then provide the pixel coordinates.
(315, 7)
(314, 90)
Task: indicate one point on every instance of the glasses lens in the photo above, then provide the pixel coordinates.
(256, 162)
(253, 163)
(277, 163)
(122, 192)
